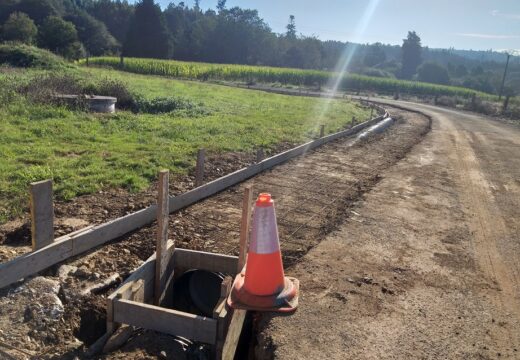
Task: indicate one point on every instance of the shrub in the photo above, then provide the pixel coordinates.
(446, 101)
(20, 55)
(162, 105)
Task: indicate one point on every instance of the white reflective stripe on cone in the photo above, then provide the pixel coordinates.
(264, 234)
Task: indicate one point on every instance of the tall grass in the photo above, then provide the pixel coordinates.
(286, 76)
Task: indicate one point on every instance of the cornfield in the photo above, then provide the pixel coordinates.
(285, 76)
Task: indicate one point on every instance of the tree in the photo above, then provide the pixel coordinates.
(221, 5)
(93, 33)
(19, 27)
(375, 55)
(116, 16)
(461, 71)
(411, 55)
(291, 28)
(38, 10)
(59, 36)
(294, 57)
(433, 73)
(148, 35)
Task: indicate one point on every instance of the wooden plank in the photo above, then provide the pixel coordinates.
(144, 276)
(188, 259)
(213, 187)
(168, 321)
(42, 214)
(33, 262)
(222, 322)
(162, 255)
(112, 230)
(244, 227)
(199, 169)
(233, 334)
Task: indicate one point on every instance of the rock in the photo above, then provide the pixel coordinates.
(82, 272)
(65, 270)
(163, 355)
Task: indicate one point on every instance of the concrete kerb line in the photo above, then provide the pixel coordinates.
(68, 246)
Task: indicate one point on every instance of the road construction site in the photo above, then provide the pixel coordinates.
(404, 244)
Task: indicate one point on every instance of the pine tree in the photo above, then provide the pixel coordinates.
(148, 35)
(291, 28)
(411, 52)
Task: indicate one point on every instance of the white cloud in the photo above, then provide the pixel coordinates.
(489, 36)
(505, 15)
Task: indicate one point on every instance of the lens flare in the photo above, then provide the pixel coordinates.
(346, 58)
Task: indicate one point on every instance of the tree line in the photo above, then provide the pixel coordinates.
(79, 28)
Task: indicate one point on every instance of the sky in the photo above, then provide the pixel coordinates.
(462, 24)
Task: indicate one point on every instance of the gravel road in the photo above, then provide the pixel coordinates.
(427, 266)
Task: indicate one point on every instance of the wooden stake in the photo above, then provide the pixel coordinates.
(162, 258)
(42, 214)
(322, 131)
(259, 155)
(199, 170)
(244, 227)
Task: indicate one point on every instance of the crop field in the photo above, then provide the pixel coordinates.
(285, 76)
(84, 152)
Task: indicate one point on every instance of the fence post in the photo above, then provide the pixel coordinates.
(322, 131)
(162, 258)
(42, 214)
(199, 170)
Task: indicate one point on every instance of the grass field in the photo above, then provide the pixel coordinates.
(84, 152)
(264, 74)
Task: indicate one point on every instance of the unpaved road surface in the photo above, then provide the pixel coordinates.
(48, 316)
(427, 266)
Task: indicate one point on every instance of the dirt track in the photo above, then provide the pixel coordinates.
(428, 268)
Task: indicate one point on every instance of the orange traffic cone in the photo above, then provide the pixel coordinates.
(262, 286)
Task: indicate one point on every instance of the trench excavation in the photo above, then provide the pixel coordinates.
(313, 194)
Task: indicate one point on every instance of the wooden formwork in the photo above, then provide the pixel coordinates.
(131, 303)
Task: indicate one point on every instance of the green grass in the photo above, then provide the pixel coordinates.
(84, 152)
(264, 74)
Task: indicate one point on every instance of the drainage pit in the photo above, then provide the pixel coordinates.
(198, 292)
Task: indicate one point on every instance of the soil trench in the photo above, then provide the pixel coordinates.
(313, 196)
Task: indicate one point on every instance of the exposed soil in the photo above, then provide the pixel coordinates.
(428, 265)
(116, 202)
(313, 195)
